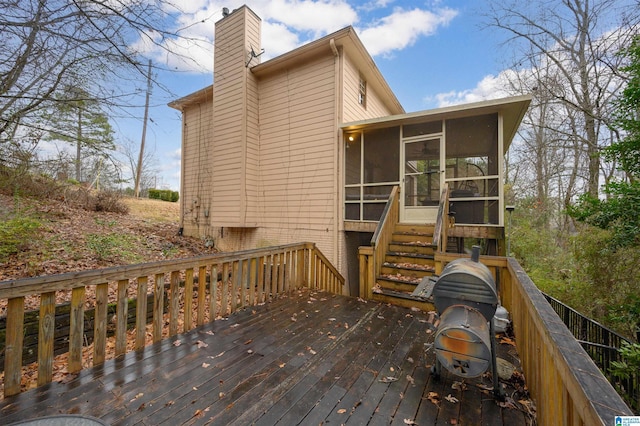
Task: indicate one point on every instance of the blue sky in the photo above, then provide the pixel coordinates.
(432, 53)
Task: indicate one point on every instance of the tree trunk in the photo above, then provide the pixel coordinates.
(78, 146)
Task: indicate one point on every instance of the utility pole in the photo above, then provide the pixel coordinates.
(144, 134)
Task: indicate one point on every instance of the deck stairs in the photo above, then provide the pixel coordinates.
(409, 259)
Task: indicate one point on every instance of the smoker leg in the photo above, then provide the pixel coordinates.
(436, 369)
(498, 392)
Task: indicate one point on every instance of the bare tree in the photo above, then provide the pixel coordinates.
(148, 168)
(48, 45)
(577, 40)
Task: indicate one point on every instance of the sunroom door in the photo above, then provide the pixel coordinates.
(422, 180)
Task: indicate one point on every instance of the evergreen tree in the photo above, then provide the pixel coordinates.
(79, 120)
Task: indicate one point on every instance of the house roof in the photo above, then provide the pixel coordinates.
(348, 40)
(201, 95)
(345, 38)
(511, 108)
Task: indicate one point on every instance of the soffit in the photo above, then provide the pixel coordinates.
(202, 95)
(512, 110)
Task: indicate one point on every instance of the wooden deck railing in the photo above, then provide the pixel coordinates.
(225, 282)
(565, 383)
(440, 231)
(372, 257)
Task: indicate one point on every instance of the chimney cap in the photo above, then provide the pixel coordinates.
(225, 12)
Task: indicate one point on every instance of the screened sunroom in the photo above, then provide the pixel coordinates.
(461, 146)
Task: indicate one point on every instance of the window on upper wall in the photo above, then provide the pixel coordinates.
(362, 92)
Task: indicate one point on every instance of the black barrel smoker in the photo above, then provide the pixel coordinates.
(466, 299)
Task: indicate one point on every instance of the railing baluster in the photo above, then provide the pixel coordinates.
(141, 313)
(253, 276)
(225, 289)
(213, 293)
(122, 313)
(188, 300)
(46, 331)
(202, 287)
(235, 281)
(76, 329)
(158, 307)
(174, 302)
(13, 346)
(100, 324)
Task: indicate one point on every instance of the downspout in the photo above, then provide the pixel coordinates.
(337, 154)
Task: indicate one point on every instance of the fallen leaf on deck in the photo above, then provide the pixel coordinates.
(210, 333)
(342, 411)
(508, 341)
(282, 365)
(198, 413)
(221, 395)
(248, 342)
(410, 379)
(388, 379)
(451, 399)
(434, 397)
(410, 360)
(137, 396)
(459, 386)
(177, 343)
(507, 403)
(409, 422)
(201, 344)
(205, 365)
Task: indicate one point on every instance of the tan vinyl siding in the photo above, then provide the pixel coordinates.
(352, 110)
(195, 194)
(235, 121)
(297, 162)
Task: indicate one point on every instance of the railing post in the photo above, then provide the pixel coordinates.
(13, 346)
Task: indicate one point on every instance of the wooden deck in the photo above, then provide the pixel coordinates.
(310, 358)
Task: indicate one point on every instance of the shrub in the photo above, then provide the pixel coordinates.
(16, 233)
(164, 195)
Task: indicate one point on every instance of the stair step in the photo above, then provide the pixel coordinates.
(403, 257)
(412, 270)
(411, 247)
(423, 238)
(404, 299)
(407, 228)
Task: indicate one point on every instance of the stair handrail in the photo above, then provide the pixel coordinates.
(384, 231)
(442, 221)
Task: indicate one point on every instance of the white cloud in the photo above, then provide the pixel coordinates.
(402, 29)
(318, 17)
(490, 87)
(286, 24)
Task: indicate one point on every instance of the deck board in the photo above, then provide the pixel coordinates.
(309, 358)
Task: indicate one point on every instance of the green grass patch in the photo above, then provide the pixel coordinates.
(113, 247)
